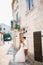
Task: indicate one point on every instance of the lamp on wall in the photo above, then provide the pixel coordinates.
(24, 30)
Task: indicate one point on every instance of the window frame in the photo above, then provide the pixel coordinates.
(29, 5)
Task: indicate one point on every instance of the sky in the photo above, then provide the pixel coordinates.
(5, 11)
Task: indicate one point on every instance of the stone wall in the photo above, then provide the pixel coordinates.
(34, 21)
(1, 39)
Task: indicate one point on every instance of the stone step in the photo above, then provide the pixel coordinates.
(19, 63)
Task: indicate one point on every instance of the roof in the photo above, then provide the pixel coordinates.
(1, 32)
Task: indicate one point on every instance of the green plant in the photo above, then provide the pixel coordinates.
(6, 36)
(17, 26)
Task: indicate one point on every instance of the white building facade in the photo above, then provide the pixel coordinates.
(31, 18)
(5, 28)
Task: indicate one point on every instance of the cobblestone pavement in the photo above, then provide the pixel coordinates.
(7, 57)
(17, 63)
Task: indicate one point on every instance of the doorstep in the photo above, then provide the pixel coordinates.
(38, 63)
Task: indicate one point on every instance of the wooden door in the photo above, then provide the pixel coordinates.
(37, 46)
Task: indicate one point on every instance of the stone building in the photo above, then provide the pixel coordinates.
(1, 38)
(30, 14)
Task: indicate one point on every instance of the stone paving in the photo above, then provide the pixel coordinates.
(7, 56)
(19, 63)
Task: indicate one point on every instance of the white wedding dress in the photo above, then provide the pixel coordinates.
(20, 56)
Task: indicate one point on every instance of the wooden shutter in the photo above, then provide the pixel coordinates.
(37, 46)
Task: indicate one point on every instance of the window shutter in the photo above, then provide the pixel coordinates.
(27, 5)
(31, 4)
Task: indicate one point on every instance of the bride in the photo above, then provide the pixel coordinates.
(20, 56)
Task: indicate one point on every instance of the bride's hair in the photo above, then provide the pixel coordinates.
(24, 37)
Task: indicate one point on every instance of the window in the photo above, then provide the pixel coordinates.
(17, 16)
(3, 28)
(29, 5)
(11, 24)
(0, 28)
